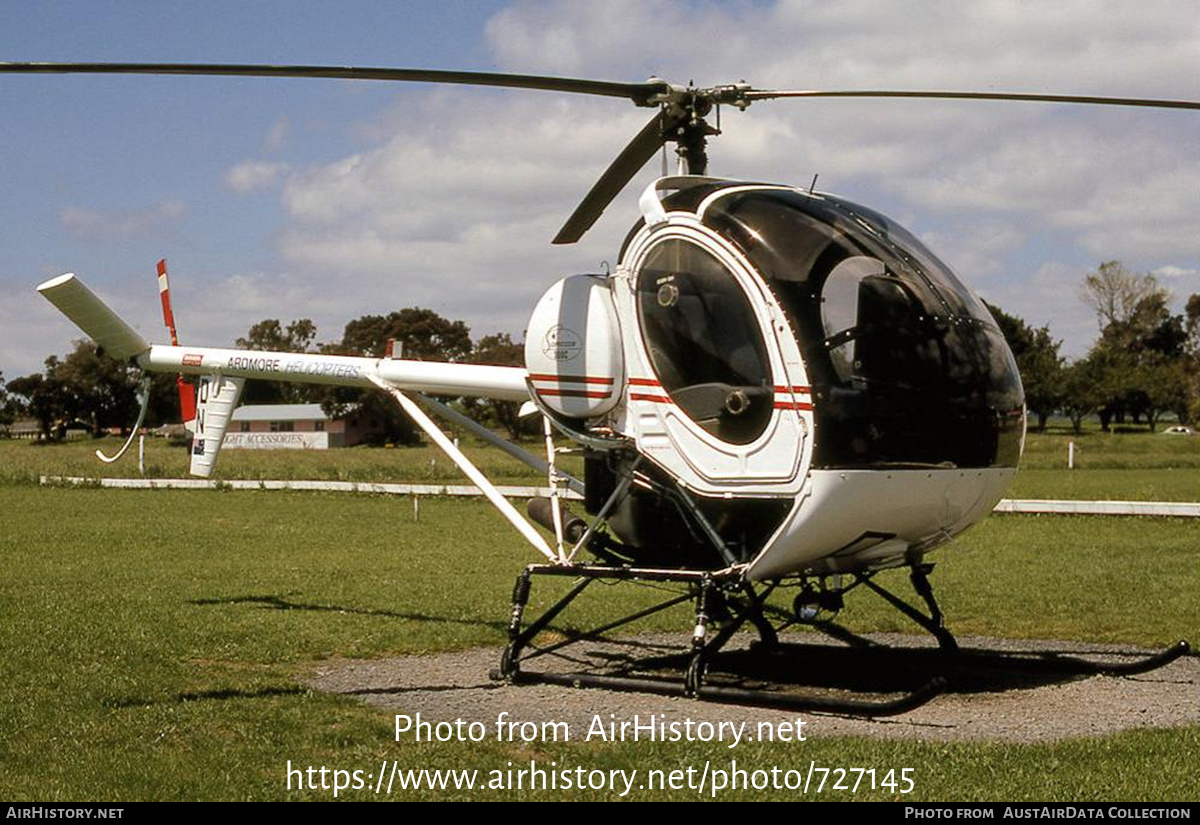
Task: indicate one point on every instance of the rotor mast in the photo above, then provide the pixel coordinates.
(691, 136)
(684, 113)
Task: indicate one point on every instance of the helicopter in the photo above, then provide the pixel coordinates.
(773, 387)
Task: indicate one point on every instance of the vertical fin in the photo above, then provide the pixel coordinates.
(218, 396)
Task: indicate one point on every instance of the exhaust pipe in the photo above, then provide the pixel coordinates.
(541, 511)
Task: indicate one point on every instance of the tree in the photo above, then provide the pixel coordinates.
(1115, 291)
(1191, 409)
(1192, 325)
(270, 336)
(164, 400)
(1149, 326)
(1163, 386)
(45, 399)
(8, 411)
(1038, 361)
(499, 350)
(102, 390)
(420, 334)
(1082, 391)
(1114, 383)
(1148, 356)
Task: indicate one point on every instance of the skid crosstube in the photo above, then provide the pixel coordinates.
(722, 597)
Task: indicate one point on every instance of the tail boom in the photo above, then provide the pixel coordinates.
(434, 377)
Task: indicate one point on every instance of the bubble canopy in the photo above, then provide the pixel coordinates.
(907, 366)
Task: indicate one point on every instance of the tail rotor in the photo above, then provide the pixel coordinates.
(187, 391)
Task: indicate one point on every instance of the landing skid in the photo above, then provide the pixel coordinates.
(724, 602)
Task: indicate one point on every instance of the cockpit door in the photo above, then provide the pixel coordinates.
(722, 400)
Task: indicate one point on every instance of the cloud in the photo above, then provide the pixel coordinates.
(277, 135)
(806, 43)
(254, 175)
(32, 329)
(1173, 273)
(448, 197)
(977, 251)
(121, 224)
(1049, 297)
(451, 196)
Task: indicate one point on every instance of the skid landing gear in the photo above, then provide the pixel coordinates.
(838, 678)
(723, 602)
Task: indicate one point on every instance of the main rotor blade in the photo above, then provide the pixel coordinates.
(769, 94)
(639, 93)
(631, 160)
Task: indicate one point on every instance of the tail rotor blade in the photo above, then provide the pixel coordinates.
(164, 293)
(187, 392)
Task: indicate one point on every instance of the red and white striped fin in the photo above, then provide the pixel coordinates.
(187, 392)
(164, 293)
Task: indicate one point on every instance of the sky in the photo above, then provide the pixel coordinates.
(330, 200)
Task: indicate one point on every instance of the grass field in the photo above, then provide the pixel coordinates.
(154, 641)
(1167, 467)
(23, 461)
(1132, 466)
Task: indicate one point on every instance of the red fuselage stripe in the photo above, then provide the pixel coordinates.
(571, 379)
(651, 382)
(779, 405)
(573, 393)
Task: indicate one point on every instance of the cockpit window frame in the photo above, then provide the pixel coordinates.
(750, 296)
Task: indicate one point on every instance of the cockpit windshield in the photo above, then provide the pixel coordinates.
(907, 365)
(704, 342)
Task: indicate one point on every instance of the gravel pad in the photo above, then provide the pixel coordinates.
(1000, 690)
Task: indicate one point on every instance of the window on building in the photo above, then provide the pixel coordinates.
(282, 426)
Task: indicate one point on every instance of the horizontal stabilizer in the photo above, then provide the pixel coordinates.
(93, 316)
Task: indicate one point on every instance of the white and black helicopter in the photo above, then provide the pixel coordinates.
(773, 387)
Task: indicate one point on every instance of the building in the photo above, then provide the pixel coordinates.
(30, 429)
(298, 427)
(25, 428)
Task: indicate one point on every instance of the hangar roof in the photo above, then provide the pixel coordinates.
(280, 412)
